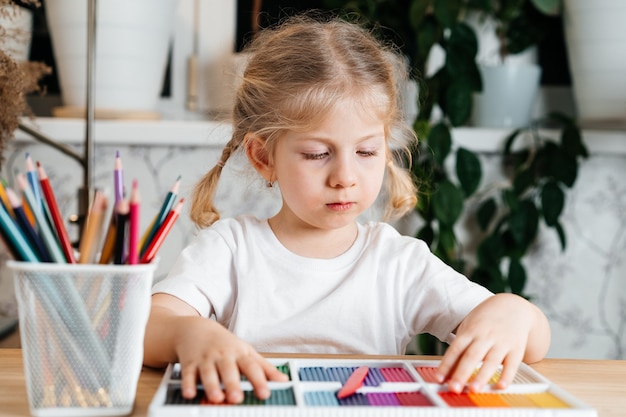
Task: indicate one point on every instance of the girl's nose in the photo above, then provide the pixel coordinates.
(342, 173)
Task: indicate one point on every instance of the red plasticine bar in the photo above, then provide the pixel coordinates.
(354, 382)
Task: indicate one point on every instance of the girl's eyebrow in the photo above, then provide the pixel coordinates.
(318, 138)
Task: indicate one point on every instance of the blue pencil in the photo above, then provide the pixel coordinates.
(49, 239)
(14, 235)
(167, 205)
(33, 180)
(22, 221)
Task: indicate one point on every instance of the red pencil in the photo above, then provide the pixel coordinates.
(161, 233)
(48, 194)
(133, 225)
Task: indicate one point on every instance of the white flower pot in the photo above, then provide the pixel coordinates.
(17, 24)
(132, 41)
(508, 96)
(595, 34)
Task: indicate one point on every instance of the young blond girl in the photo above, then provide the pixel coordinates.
(317, 115)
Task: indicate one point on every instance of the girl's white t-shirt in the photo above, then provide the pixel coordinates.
(372, 299)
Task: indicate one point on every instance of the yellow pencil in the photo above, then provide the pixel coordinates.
(93, 229)
(5, 200)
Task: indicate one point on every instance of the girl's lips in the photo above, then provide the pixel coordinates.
(340, 206)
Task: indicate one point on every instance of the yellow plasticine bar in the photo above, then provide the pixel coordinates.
(493, 380)
(518, 400)
(547, 400)
(487, 399)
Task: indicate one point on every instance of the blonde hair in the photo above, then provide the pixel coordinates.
(296, 73)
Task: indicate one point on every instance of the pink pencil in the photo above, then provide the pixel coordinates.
(133, 229)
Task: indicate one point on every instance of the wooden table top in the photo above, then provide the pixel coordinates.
(600, 384)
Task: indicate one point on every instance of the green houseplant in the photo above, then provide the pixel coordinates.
(537, 167)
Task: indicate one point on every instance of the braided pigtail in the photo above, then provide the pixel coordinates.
(203, 212)
(402, 191)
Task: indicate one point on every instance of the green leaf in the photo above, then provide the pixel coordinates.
(426, 36)
(523, 224)
(564, 168)
(549, 7)
(427, 234)
(510, 199)
(485, 213)
(458, 102)
(490, 251)
(490, 278)
(417, 13)
(517, 276)
(447, 12)
(440, 142)
(523, 180)
(561, 234)
(508, 142)
(468, 170)
(572, 142)
(447, 203)
(552, 202)
(446, 244)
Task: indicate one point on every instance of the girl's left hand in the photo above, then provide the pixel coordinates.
(503, 330)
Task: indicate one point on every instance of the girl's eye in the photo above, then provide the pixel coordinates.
(314, 156)
(367, 153)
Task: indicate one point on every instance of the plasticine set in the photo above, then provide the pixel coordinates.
(364, 387)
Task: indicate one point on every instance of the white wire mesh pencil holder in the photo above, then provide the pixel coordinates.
(82, 329)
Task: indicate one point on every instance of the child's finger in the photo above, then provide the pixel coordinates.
(271, 372)
(211, 383)
(486, 371)
(188, 380)
(509, 368)
(450, 360)
(231, 378)
(253, 370)
(466, 366)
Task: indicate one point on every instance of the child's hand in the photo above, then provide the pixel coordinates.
(503, 330)
(209, 351)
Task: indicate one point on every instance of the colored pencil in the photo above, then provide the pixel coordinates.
(354, 382)
(45, 231)
(133, 225)
(4, 199)
(121, 232)
(167, 205)
(109, 242)
(161, 234)
(118, 178)
(33, 180)
(93, 229)
(55, 214)
(144, 237)
(24, 224)
(15, 237)
(10, 247)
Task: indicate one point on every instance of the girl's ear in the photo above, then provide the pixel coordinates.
(259, 156)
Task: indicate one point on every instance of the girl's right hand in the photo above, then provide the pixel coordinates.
(209, 352)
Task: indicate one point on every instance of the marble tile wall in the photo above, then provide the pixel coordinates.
(582, 290)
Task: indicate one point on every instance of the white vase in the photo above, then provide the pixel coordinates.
(510, 84)
(508, 96)
(132, 41)
(595, 35)
(17, 24)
